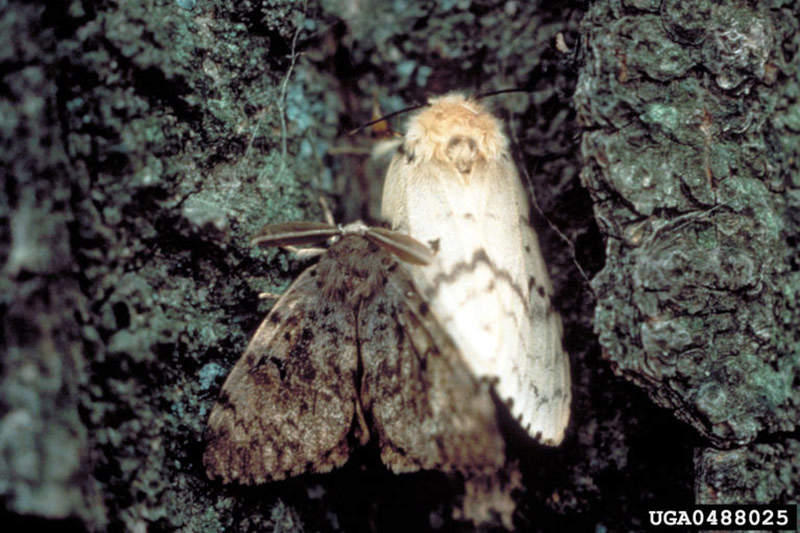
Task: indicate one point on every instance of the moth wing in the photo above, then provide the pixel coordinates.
(539, 378)
(289, 403)
(427, 409)
(480, 284)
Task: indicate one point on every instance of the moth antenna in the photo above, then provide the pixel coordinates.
(386, 117)
(381, 129)
(403, 246)
(503, 91)
(414, 107)
(291, 233)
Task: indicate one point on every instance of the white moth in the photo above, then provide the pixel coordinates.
(453, 185)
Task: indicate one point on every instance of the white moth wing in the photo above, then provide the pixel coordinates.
(488, 284)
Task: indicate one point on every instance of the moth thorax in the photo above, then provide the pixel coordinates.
(353, 269)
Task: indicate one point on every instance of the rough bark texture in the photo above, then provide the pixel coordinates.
(691, 156)
(144, 142)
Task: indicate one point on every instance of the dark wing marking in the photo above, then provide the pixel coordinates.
(426, 408)
(290, 401)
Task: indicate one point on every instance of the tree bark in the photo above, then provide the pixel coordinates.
(690, 152)
(144, 143)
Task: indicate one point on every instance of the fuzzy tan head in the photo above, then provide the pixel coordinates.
(455, 130)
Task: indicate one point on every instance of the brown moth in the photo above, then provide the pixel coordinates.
(350, 353)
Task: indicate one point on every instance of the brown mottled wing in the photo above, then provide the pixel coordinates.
(288, 405)
(426, 408)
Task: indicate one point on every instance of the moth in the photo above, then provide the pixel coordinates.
(453, 184)
(349, 354)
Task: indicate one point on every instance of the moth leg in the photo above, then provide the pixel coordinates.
(305, 253)
(268, 296)
(326, 210)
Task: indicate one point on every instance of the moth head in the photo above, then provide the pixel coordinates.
(462, 152)
(455, 130)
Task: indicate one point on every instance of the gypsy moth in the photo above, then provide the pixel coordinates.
(453, 185)
(351, 352)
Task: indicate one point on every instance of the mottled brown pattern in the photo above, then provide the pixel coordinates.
(428, 411)
(294, 401)
(288, 404)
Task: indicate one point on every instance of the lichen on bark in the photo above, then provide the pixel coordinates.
(692, 165)
(680, 164)
(168, 147)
